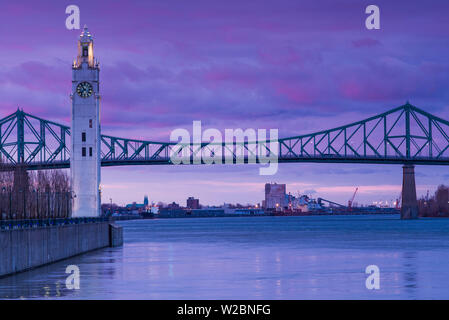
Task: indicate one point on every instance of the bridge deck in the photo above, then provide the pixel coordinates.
(404, 135)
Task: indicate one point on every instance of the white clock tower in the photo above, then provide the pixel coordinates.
(85, 158)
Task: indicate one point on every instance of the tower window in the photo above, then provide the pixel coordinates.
(85, 52)
(83, 137)
(90, 123)
(90, 151)
(83, 151)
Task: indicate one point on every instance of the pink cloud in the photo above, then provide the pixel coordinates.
(295, 92)
(365, 42)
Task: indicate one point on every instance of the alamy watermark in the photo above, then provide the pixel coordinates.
(73, 20)
(373, 20)
(238, 146)
(72, 282)
(373, 280)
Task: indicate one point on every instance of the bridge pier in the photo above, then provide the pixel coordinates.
(409, 209)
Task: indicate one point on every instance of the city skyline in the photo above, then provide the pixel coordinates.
(247, 69)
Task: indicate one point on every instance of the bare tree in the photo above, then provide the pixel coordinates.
(34, 195)
(442, 199)
(437, 205)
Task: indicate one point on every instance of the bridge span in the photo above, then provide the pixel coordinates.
(404, 135)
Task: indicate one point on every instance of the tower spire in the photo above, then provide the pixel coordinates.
(85, 35)
(85, 49)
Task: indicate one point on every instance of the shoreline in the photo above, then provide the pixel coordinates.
(192, 216)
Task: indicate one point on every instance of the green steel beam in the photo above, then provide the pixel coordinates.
(359, 142)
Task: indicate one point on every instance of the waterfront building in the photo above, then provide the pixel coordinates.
(137, 208)
(275, 196)
(193, 203)
(173, 205)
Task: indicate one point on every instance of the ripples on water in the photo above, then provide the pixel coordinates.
(316, 257)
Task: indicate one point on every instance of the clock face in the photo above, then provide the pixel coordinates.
(84, 89)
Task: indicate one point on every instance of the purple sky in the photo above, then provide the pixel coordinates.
(298, 66)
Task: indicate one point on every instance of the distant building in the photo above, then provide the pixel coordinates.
(173, 205)
(136, 208)
(275, 196)
(193, 203)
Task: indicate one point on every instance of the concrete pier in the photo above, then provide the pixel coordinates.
(409, 208)
(115, 235)
(28, 248)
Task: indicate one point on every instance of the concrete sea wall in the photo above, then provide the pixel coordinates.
(24, 249)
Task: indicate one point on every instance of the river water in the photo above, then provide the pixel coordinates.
(314, 257)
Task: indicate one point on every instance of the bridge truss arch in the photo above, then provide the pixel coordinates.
(403, 135)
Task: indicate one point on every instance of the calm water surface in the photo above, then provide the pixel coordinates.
(255, 258)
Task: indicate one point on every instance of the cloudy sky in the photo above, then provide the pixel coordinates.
(297, 66)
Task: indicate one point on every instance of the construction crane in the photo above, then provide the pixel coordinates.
(351, 201)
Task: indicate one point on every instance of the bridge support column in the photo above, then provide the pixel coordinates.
(409, 208)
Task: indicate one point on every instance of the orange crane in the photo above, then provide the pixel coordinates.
(351, 201)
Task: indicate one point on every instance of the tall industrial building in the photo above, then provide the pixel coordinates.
(275, 196)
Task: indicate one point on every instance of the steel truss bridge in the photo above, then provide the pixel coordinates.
(404, 135)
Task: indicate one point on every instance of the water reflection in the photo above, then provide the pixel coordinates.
(254, 258)
(410, 275)
(32, 284)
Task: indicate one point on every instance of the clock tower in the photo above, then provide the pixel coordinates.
(85, 158)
